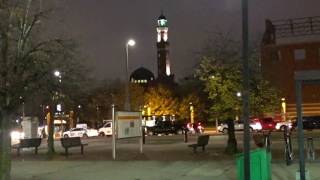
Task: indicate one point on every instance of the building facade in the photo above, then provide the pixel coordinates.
(289, 46)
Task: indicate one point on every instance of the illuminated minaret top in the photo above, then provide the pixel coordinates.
(162, 28)
(163, 47)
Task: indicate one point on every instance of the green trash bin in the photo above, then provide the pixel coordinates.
(260, 165)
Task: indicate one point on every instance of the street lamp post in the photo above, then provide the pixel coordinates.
(23, 110)
(127, 105)
(245, 94)
(238, 108)
(191, 113)
(59, 106)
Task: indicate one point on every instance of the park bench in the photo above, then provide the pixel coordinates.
(72, 142)
(28, 143)
(201, 142)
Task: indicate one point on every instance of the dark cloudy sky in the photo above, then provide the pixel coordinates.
(102, 28)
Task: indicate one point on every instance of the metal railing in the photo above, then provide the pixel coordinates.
(297, 27)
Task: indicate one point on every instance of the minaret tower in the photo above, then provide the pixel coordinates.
(163, 48)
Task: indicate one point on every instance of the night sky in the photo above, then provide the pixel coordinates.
(102, 27)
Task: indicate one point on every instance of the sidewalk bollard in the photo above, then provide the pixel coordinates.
(185, 136)
(310, 149)
(267, 142)
(288, 146)
(143, 136)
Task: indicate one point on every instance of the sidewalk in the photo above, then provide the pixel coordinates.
(158, 162)
(143, 170)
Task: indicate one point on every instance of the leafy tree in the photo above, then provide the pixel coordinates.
(161, 100)
(220, 70)
(222, 84)
(264, 98)
(27, 62)
(190, 91)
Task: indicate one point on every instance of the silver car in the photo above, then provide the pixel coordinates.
(239, 126)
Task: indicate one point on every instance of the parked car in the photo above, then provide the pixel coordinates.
(267, 123)
(239, 126)
(282, 124)
(80, 132)
(106, 129)
(309, 122)
(166, 127)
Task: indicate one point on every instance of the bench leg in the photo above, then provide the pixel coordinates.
(66, 151)
(203, 148)
(195, 149)
(18, 151)
(82, 149)
(36, 150)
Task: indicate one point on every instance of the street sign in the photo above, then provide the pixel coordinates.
(128, 124)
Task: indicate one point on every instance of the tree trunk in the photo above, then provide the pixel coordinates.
(232, 141)
(50, 123)
(5, 146)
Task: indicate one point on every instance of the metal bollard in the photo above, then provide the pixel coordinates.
(185, 136)
(143, 135)
(267, 142)
(288, 147)
(310, 149)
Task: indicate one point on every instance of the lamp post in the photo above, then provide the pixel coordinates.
(23, 112)
(237, 108)
(78, 117)
(191, 113)
(245, 93)
(127, 106)
(59, 105)
(283, 108)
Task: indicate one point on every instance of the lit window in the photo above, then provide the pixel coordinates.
(299, 54)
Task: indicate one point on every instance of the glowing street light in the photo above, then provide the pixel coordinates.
(131, 42)
(57, 73)
(127, 107)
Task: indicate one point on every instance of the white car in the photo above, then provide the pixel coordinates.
(239, 126)
(80, 132)
(16, 135)
(281, 125)
(106, 129)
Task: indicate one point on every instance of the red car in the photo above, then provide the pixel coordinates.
(268, 123)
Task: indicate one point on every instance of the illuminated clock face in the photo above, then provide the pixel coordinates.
(162, 22)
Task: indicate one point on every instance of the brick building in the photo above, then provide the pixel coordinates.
(289, 46)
